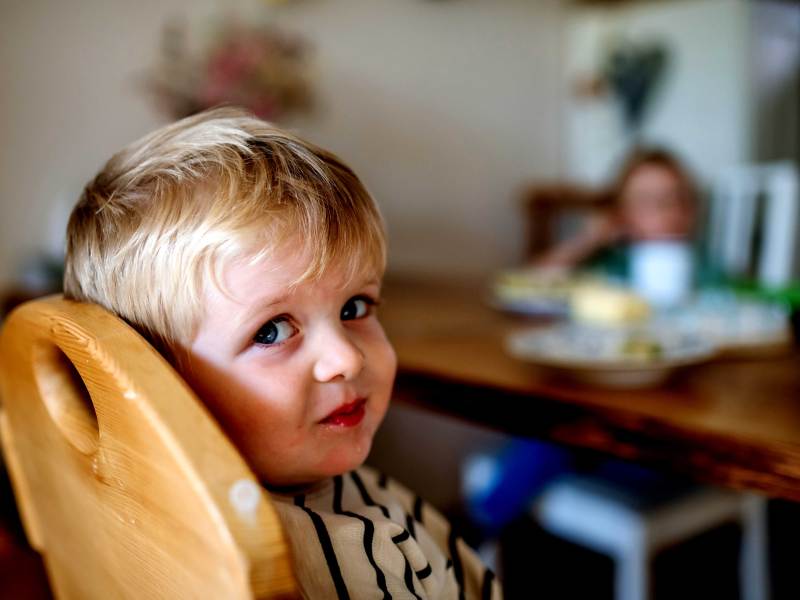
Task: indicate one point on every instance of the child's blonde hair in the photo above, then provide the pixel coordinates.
(165, 213)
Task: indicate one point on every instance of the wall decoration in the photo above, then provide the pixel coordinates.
(256, 66)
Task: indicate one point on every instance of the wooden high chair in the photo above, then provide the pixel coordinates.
(125, 484)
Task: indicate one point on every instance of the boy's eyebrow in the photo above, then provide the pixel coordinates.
(258, 306)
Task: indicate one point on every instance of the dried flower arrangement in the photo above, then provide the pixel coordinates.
(258, 67)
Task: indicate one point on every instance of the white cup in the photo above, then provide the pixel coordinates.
(662, 271)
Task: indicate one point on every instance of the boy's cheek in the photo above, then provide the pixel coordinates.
(392, 359)
(391, 366)
(391, 374)
(388, 356)
(380, 354)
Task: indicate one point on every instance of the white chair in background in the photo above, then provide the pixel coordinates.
(754, 227)
(631, 517)
(591, 513)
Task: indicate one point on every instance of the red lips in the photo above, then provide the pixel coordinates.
(347, 415)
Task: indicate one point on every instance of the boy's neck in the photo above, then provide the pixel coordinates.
(295, 489)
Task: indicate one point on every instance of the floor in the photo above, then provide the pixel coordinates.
(538, 565)
(703, 568)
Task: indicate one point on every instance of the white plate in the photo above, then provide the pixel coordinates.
(530, 307)
(596, 355)
(531, 291)
(737, 326)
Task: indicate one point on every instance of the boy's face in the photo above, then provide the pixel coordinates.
(655, 206)
(298, 377)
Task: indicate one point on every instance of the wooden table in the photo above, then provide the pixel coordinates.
(734, 422)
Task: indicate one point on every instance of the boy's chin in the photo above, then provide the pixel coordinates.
(350, 454)
(337, 464)
(344, 463)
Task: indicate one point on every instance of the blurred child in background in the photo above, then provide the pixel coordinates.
(655, 199)
(643, 238)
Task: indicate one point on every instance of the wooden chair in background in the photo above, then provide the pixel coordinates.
(550, 209)
(126, 485)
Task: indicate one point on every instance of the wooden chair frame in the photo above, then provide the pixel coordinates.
(126, 485)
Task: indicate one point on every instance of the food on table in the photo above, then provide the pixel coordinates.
(732, 323)
(524, 283)
(608, 305)
(641, 348)
(620, 357)
(532, 291)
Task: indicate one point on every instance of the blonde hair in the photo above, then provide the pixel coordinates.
(168, 211)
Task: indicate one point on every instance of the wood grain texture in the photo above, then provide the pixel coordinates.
(126, 484)
(734, 422)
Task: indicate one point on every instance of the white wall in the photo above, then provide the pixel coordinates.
(70, 95)
(444, 108)
(704, 110)
(775, 65)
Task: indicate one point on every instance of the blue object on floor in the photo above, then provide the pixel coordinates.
(499, 487)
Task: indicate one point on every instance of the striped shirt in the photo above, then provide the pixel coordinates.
(362, 536)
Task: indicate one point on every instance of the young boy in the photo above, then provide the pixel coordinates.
(654, 199)
(253, 260)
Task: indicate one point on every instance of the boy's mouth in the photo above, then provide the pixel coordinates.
(347, 415)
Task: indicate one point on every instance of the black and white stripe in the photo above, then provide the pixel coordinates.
(369, 534)
(377, 537)
(458, 569)
(327, 548)
(424, 572)
(383, 480)
(418, 510)
(410, 526)
(362, 489)
(408, 572)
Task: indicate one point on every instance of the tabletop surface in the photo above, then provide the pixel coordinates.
(734, 422)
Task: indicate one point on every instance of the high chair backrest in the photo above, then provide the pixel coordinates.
(125, 484)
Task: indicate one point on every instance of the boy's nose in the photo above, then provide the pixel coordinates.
(338, 357)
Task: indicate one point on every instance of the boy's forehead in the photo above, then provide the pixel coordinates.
(275, 275)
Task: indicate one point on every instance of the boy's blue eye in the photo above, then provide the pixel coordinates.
(356, 308)
(274, 331)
